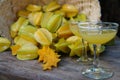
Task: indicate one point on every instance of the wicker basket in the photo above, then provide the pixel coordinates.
(8, 9)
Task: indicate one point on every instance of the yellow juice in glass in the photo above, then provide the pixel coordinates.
(98, 37)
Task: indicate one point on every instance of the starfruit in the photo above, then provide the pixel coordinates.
(76, 48)
(16, 26)
(52, 6)
(60, 12)
(43, 36)
(75, 45)
(99, 49)
(4, 44)
(54, 23)
(62, 46)
(73, 39)
(49, 57)
(45, 18)
(64, 31)
(19, 40)
(33, 8)
(27, 52)
(27, 33)
(70, 10)
(23, 13)
(35, 18)
(14, 49)
(81, 18)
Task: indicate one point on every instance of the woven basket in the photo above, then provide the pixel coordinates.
(8, 9)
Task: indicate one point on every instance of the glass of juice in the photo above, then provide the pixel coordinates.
(97, 33)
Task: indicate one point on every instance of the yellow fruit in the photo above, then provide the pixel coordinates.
(33, 8)
(35, 18)
(52, 6)
(43, 36)
(4, 44)
(16, 26)
(81, 18)
(21, 40)
(14, 49)
(73, 39)
(64, 31)
(45, 18)
(100, 49)
(54, 23)
(62, 46)
(23, 13)
(60, 12)
(76, 48)
(27, 33)
(70, 10)
(27, 52)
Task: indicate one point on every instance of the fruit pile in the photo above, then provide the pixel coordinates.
(42, 32)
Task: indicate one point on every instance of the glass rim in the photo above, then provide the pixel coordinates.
(114, 24)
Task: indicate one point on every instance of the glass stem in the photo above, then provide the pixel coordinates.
(96, 58)
(84, 53)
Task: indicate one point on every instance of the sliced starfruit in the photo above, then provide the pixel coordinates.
(52, 6)
(45, 18)
(43, 36)
(64, 31)
(70, 10)
(35, 18)
(4, 44)
(23, 13)
(27, 32)
(54, 23)
(33, 8)
(27, 52)
(16, 26)
(100, 49)
(49, 57)
(62, 46)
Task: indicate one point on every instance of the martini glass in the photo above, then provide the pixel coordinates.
(97, 33)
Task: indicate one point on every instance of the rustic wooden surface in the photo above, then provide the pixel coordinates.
(68, 69)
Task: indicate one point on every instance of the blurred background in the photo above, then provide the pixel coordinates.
(111, 11)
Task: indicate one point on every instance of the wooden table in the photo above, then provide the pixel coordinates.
(68, 69)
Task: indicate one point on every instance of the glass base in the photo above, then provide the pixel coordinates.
(97, 73)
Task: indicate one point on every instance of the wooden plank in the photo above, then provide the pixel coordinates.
(68, 68)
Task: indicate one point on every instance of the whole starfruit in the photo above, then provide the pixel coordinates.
(51, 21)
(54, 23)
(27, 52)
(27, 33)
(16, 26)
(33, 8)
(35, 18)
(43, 36)
(45, 18)
(52, 6)
(70, 10)
(4, 44)
(62, 46)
